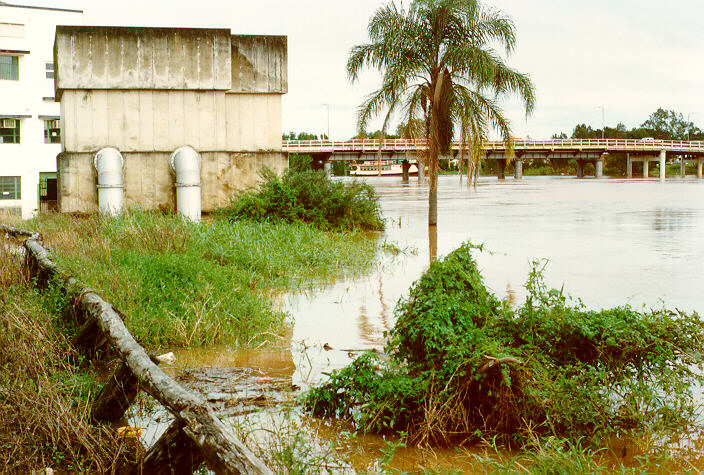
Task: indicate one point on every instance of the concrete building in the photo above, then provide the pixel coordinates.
(29, 117)
(149, 91)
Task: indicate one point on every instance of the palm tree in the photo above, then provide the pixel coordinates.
(438, 63)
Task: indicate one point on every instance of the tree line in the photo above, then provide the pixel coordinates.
(662, 124)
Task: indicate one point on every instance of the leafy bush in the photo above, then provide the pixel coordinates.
(311, 197)
(461, 365)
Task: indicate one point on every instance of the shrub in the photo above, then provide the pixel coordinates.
(461, 365)
(311, 197)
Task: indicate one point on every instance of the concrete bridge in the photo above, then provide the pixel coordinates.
(583, 150)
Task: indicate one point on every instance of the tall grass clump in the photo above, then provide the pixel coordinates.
(463, 366)
(181, 283)
(311, 197)
(44, 394)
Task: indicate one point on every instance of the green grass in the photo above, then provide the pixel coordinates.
(183, 284)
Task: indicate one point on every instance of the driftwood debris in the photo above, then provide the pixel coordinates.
(195, 419)
(173, 454)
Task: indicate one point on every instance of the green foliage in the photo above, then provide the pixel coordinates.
(181, 283)
(300, 162)
(463, 365)
(303, 136)
(311, 197)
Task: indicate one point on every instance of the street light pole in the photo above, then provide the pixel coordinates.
(602, 121)
(689, 127)
(327, 106)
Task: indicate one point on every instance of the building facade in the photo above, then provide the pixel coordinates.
(149, 91)
(29, 117)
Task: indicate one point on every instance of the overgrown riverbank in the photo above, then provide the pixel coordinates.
(45, 393)
(182, 284)
(465, 368)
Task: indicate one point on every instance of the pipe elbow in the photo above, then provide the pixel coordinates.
(108, 162)
(185, 163)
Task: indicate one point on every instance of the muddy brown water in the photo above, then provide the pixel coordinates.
(609, 242)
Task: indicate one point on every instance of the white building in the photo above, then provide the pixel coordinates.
(29, 117)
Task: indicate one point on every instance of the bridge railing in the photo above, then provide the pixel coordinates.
(409, 145)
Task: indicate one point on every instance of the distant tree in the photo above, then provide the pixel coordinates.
(363, 134)
(584, 131)
(561, 135)
(669, 125)
(302, 136)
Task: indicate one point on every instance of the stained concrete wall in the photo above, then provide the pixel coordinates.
(149, 182)
(141, 58)
(149, 120)
(149, 91)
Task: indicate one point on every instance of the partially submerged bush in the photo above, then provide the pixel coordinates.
(463, 365)
(311, 197)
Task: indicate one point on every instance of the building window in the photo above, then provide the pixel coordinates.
(52, 131)
(10, 67)
(9, 131)
(10, 188)
(49, 70)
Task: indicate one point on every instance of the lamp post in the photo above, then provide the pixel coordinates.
(602, 121)
(327, 106)
(689, 126)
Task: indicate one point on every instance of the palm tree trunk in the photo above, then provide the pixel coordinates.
(434, 146)
(381, 140)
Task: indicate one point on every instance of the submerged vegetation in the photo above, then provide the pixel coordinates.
(462, 366)
(179, 283)
(311, 197)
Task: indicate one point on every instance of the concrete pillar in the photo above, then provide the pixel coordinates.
(629, 166)
(580, 168)
(663, 155)
(646, 162)
(405, 166)
(699, 167)
(327, 166)
(518, 169)
(599, 168)
(501, 166)
(683, 164)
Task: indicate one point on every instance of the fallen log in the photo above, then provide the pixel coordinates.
(222, 451)
(173, 454)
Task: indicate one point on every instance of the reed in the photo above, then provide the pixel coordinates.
(44, 409)
(183, 284)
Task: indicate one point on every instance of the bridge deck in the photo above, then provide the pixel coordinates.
(638, 146)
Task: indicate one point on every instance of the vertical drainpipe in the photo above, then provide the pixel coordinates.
(108, 163)
(185, 162)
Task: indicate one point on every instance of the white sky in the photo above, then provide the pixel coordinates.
(629, 56)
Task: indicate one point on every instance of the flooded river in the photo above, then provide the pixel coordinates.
(609, 242)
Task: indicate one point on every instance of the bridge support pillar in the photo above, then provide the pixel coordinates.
(683, 164)
(580, 168)
(327, 166)
(501, 168)
(646, 162)
(663, 155)
(518, 169)
(699, 167)
(405, 166)
(599, 168)
(629, 166)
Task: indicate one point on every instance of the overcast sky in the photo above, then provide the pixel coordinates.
(629, 56)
